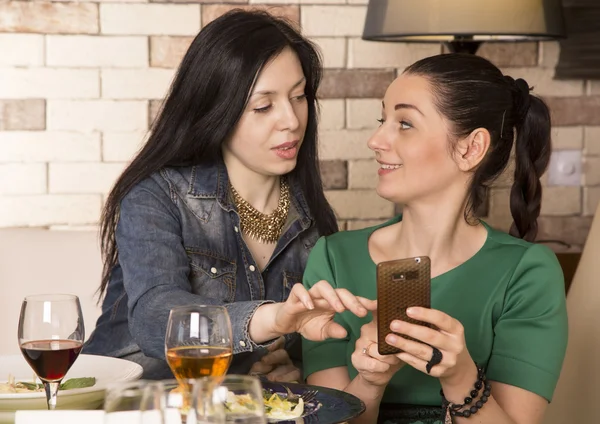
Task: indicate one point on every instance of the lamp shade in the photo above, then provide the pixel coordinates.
(463, 20)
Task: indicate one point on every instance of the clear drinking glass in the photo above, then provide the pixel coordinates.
(51, 335)
(198, 344)
(161, 402)
(242, 396)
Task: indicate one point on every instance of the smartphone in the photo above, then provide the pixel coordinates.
(401, 284)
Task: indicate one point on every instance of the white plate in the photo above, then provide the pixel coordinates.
(106, 370)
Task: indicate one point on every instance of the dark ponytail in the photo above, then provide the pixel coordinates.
(470, 92)
(532, 155)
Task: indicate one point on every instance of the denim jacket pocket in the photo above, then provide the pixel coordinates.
(212, 275)
(289, 279)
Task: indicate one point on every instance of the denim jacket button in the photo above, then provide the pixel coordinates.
(213, 270)
(252, 268)
(242, 343)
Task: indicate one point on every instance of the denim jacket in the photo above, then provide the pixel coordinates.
(179, 244)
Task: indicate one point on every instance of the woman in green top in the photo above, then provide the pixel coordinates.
(447, 130)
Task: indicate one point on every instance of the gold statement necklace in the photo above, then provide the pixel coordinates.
(259, 226)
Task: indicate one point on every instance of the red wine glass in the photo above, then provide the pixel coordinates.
(51, 336)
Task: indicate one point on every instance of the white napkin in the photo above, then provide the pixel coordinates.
(59, 417)
(96, 417)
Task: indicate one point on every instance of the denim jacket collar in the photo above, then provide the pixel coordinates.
(204, 185)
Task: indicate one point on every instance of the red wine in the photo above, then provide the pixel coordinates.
(51, 359)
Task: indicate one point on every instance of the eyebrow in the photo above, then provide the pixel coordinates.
(404, 106)
(266, 92)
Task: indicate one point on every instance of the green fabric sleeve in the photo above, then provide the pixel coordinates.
(331, 353)
(531, 333)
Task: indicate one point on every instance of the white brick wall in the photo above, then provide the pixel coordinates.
(136, 83)
(327, 21)
(344, 145)
(21, 49)
(146, 19)
(48, 146)
(50, 83)
(43, 210)
(97, 115)
(19, 178)
(121, 147)
(83, 178)
(79, 79)
(93, 51)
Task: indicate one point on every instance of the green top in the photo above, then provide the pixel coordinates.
(510, 298)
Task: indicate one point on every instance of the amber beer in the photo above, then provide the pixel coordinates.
(190, 362)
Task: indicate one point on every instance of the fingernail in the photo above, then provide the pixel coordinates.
(395, 325)
(411, 311)
(391, 339)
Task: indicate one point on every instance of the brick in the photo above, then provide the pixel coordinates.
(150, 83)
(333, 51)
(83, 178)
(49, 18)
(337, 21)
(22, 178)
(67, 227)
(48, 146)
(35, 83)
(370, 54)
(332, 114)
(334, 174)
(150, 19)
(297, 1)
(41, 210)
(153, 109)
(355, 83)
(97, 51)
(543, 82)
(558, 200)
(549, 54)
(506, 179)
(97, 115)
(575, 110)
(359, 204)
(21, 49)
(22, 115)
(167, 52)
(591, 171)
(363, 223)
(499, 215)
(591, 199)
(362, 174)
(204, 1)
(121, 147)
(568, 229)
(567, 138)
(510, 54)
(363, 113)
(592, 140)
(344, 145)
(213, 11)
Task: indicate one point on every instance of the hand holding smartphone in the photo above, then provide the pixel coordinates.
(401, 284)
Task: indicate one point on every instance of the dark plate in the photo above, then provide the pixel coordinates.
(329, 407)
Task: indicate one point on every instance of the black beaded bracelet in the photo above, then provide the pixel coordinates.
(454, 410)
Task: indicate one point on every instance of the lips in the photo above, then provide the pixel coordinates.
(384, 165)
(286, 146)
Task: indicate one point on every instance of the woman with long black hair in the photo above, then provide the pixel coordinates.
(223, 203)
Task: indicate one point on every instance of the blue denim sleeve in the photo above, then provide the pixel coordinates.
(156, 268)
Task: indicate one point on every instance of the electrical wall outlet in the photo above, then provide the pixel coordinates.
(565, 168)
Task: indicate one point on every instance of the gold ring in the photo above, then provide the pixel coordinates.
(365, 350)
